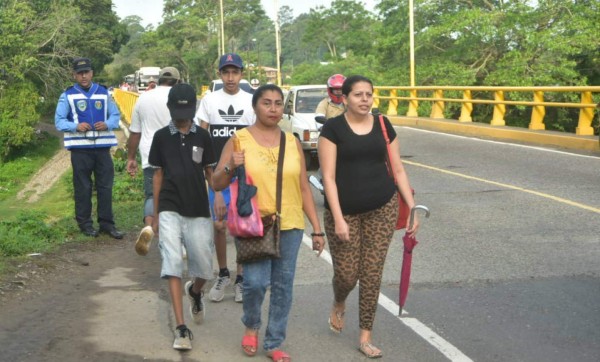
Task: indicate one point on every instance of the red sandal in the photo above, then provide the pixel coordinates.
(279, 356)
(250, 344)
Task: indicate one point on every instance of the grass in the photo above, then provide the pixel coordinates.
(22, 164)
(46, 224)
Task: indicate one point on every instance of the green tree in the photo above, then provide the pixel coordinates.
(189, 36)
(39, 40)
(345, 26)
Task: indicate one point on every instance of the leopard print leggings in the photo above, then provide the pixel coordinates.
(362, 257)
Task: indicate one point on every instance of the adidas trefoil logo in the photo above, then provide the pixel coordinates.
(231, 115)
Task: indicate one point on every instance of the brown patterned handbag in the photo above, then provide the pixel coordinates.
(266, 247)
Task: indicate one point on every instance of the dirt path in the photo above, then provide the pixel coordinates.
(46, 177)
(100, 301)
(52, 171)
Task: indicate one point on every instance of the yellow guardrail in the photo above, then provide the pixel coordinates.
(436, 96)
(125, 100)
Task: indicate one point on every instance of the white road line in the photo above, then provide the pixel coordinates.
(501, 143)
(439, 343)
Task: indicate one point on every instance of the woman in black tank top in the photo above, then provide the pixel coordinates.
(361, 204)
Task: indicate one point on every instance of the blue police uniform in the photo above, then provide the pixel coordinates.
(90, 151)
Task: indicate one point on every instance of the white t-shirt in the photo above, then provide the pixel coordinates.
(225, 113)
(149, 115)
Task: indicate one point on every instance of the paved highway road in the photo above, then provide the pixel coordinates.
(507, 269)
(509, 263)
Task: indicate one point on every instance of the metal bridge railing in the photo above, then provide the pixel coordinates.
(536, 94)
(126, 101)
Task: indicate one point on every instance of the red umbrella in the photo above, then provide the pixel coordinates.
(409, 244)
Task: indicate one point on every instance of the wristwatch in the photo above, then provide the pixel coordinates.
(227, 170)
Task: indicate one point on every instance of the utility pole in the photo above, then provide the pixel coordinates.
(411, 17)
(222, 30)
(277, 44)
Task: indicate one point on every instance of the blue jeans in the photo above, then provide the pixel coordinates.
(148, 192)
(279, 273)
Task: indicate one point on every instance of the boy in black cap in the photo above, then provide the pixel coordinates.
(87, 115)
(183, 156)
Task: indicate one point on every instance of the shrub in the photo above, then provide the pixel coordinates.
(18, 115)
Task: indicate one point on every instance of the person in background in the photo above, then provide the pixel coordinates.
(151, 84)
(333, 105)
(183, 159)
(150, 114)
(260, 153)
(86, 114)
(223, 112)
(254, 83)
(361, 204)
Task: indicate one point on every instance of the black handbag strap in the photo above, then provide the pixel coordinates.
(280, 173)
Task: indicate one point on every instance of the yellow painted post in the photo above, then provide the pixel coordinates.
(586, 115)
(376, 98)
(499, 110)
(538, 112)
(413, 104)
(437, 110)
(467, 108)
(393, 104)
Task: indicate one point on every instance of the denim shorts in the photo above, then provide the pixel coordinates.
(148, 192)
(211, 200)
(196, 234)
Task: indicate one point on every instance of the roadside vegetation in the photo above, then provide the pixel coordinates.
(42, 226)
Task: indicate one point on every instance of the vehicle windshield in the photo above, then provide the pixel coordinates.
(243, 86)
(147, 77)
(308, 99)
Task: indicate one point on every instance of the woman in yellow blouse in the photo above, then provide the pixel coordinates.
(260, 153)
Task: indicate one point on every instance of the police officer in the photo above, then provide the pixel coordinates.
(87, 115)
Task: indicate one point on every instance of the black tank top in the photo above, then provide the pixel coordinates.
(362, 177)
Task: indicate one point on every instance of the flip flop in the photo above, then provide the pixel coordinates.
(368, 350)
(340, 320)
(250, 345)
(279, 356)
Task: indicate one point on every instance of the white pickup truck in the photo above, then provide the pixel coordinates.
(299, 117)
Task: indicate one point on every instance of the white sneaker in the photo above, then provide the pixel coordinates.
(142, 244)
(239, 292)
(183, 338)
(217, 292)
(197, 310)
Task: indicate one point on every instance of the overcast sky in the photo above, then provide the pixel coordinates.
(151, 10)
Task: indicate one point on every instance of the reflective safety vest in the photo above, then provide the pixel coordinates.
(88, 107)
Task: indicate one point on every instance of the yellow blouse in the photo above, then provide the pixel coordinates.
(261, 165)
